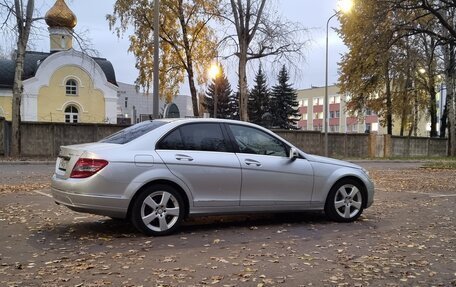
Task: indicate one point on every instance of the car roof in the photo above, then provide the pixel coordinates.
(202, 120)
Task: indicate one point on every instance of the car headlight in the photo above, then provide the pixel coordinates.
(365, 171)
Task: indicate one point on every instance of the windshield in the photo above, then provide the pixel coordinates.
(133, 132)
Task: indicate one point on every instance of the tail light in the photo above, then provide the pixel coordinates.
(86, 167)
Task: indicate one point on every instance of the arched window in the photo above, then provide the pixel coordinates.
(71, 87)
(172, 111)
(71, 114)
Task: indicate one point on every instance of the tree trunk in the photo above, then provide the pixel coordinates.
(243, 91)
(16, 108)
(404, 108)
(193, 92)
(24, 24)
(450, 72)
(443, 122)
(451, 119)
(389, 106)
(433, 109)
(189, 60)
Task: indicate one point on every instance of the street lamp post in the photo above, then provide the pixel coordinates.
(326, 102)
(344, 7)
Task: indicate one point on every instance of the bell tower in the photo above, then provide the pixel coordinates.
(61, 21)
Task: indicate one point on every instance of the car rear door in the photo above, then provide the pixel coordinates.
(200, 154)
(269, 176)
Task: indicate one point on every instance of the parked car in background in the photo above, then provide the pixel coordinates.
(156, 173)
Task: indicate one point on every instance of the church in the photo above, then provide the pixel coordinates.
(64, 85)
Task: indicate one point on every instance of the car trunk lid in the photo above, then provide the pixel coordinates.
(69, 155)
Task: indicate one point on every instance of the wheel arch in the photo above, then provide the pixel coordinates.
(165, 182)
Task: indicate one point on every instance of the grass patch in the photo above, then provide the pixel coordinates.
(441, 164)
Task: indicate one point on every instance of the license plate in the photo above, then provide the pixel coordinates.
(63, 164)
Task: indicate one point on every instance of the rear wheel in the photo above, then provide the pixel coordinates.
(158, 210)
(345, 201)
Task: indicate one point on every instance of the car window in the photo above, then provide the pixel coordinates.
(133, 132)
(204, 137)
(172, 141)
(254, 141)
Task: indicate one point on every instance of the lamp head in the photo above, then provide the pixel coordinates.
(214, 71)
(345, 6)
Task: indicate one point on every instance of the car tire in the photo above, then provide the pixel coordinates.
(158, 210)
(345, 201)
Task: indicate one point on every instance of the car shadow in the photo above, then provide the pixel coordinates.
(96, 233)
(208, 223)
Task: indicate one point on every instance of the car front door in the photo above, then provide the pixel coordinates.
(200, 156)
(269, 176)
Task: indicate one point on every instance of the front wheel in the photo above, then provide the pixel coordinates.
(158, 210)
(345, 201)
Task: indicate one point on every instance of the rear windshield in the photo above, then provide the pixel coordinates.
(133, 132)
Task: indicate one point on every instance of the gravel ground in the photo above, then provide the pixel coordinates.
(407, 238)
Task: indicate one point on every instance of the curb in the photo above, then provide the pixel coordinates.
(386, 161)
(26, 162)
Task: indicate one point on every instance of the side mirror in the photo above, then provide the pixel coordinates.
(294, 154)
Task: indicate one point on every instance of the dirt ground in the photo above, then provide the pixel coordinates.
(407, 238)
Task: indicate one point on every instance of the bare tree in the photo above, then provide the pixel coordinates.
(259, 33)
(18, 16)
(17, 20)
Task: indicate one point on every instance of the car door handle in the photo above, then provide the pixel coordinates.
(252, 162)
(183, 157)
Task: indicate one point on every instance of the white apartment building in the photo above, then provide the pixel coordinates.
(311, 108)
(134, 106)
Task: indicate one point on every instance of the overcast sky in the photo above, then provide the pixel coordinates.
(311, 14)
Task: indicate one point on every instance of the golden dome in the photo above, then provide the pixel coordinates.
(60, 16)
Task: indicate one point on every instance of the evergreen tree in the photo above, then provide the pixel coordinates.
(219, 87)
(284, 104)
(258, 104)
(233, 107)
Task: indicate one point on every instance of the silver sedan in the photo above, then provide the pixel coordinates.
(156, 173)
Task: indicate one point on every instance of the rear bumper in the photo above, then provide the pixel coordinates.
(89, 203)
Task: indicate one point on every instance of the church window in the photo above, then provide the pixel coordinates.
(71, 87)
(71, 114)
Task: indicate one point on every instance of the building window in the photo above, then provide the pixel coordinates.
(126, 102)
(71, 87)
(331, 114)
(317, 128)
(305, 102)
(71, 114)
(337, 114)
(335, 100)
(304, 116)
(334, 128)
(317, 101)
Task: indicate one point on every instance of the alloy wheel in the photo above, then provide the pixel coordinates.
(160, 211)
(348, 201)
